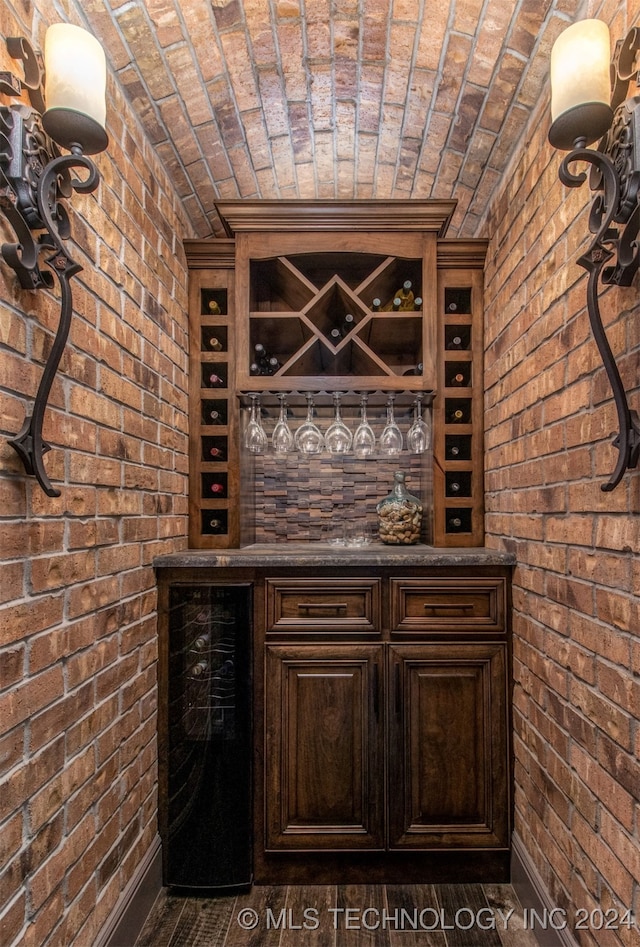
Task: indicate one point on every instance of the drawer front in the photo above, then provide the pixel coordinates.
(327, 605)
(448, 605)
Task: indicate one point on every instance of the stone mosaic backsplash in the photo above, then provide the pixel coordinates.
(314, 498)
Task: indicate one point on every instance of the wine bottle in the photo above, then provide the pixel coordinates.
(214, 412)
(217, 488)
(199, 669)
(452, 307)
(201, 642)
(454, 523)
(455, 416)
(396, 303)
(406, 297)
(454, 486)
(267, 364)
(417, 303)
(375, 304)
(347, 325)
(261, 358)
(214, 344)
(215, 381)
(217, 453)
(457, 380)
(457, 447)
(414, 371)
(214, 308)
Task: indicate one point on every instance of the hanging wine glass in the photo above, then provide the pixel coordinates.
(282, 438)
(255, 437)
(308, 437)
(364, 440)
(338, 437)
(391, 438)
(419, 434)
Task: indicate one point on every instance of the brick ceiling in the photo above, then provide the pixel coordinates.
(331, 99)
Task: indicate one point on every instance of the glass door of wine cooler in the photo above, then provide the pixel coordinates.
(208, 843)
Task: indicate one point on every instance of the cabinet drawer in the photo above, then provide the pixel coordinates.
(441, 605)
(327, 605)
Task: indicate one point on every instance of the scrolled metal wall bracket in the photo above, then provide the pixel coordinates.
(614, 253)
(34, 180)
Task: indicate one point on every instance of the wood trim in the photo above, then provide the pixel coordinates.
(124, 924)
(374, 868)
(295, 215)
(533, 894)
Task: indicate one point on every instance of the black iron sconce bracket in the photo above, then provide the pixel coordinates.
(34, 180)
(614, 254)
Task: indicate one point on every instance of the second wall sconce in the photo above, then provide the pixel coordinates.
(35, 179)
(588, 101)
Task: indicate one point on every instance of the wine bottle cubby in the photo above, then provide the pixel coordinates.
(320, 297)
(458, 411)
(214, 454)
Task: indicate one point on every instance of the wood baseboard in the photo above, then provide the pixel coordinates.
(125, 922)
(534, 896)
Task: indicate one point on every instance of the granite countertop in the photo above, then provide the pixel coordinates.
(295, 554)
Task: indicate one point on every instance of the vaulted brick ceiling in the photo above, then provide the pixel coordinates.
(332, 98)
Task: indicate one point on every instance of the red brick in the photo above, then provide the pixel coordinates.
(93, 595)
(51, 875)
(616, 723)
(52, 721)
(88, 663)
(27, 698)
(12, 917)
(604, 859)
(604, 786)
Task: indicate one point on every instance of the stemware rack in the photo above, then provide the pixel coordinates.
(324, 408)
(286, 278)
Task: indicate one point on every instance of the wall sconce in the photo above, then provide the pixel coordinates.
(35, 178)
(584, 108)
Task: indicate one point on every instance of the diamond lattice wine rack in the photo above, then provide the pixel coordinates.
(338, 316)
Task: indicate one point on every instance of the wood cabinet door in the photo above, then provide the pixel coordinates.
(324, 785)
(448, 757)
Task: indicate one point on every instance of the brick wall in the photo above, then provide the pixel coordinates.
(77, 591)
(550, 422)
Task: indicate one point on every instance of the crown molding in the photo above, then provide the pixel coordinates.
(317, 215)
(209, 252)
(469, 253)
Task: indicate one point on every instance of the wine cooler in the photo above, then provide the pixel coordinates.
(207, 838)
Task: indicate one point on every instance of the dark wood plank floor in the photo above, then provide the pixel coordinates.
(342, 916)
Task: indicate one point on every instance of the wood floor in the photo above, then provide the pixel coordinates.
(470, 915)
